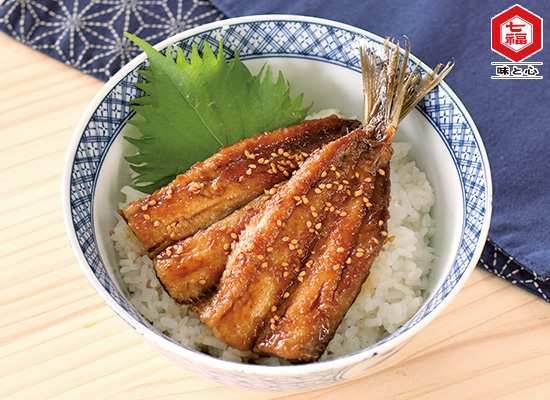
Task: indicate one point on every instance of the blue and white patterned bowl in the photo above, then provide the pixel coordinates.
(320, 59)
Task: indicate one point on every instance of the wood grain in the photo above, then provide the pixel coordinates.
(59, 340)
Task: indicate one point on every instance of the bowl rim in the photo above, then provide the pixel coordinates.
(231, 366)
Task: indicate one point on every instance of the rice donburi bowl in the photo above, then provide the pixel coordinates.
(88, 211)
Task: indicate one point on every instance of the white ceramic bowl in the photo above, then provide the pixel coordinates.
(320, 59)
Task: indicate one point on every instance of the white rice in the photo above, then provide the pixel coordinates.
(390, 296)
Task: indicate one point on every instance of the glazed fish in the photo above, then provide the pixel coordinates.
(191, 267)
(294, 312)
(275, 244)
(301, 327)
(276, 273)
(227, 181)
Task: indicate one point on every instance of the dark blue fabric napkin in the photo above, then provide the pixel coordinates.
(89, 35)
(511, 115)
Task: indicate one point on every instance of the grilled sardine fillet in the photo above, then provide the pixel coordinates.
(303, 324)
(228, 180)
(267, 258)
(190, 268)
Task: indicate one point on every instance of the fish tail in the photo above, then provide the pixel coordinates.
(390, 92)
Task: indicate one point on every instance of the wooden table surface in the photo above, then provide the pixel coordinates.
(58, 339)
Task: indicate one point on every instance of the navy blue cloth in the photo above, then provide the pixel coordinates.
(89, 35)
(511, 115)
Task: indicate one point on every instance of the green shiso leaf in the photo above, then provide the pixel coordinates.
(191, 108)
